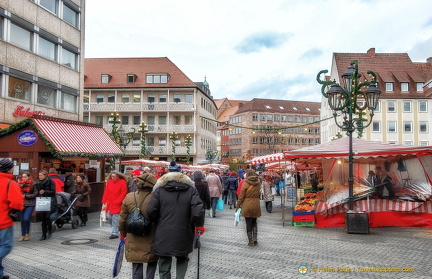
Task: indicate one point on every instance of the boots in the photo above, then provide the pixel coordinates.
(43, 237)
(255, 235)
(251, 243)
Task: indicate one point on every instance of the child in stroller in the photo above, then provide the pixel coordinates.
(65, 213)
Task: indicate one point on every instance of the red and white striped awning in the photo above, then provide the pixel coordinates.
(72, 138)
(267, 158)
(146, 163)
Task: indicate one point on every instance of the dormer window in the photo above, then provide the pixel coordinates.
(105, 78)
(281, 107)
(404, 86)
(131, 78)
(157, 78)
(268, 107)
(419, 86)
(294, 108)
(308, 109)
(389, 86)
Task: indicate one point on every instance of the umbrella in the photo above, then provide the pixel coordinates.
(270, 173)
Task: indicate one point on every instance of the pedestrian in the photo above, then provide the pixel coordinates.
(147, 170)
(314, 182)
(59, 184)
(203, 190)
(46, 187)
(29, 193)
(139, 248)
(241, 173)
(232, 185)
(249, 202)
(268, 196)
(83, 202)
(225, 176)
(128, 174)
(132, 184)
(215, 187)
(115, 191)
(177, 208)
(69, 181)
(10, 198)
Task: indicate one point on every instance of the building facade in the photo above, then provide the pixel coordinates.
(264, 126)
(403, 115)
(41, 59)
(156, 92)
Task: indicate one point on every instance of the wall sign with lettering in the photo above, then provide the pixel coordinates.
(27, 138)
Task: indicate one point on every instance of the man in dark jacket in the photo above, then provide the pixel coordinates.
(69, 181)
(177, 209)
(232, 185)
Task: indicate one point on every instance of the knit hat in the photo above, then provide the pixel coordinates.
(240, 171)
(137, 172)
(5, 165)
(146, 169)
(146, 180)
(198, 175)
(173, 167)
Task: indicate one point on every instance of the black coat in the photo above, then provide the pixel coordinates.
(69, 184)
(176, 208)
(203, 191)
(49, 187)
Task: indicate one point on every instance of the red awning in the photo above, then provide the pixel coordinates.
(267, 158)
(72, 138)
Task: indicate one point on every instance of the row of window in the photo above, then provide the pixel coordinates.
(132, 78)
(42, 92)
(32, 38)
(423, 127)
(64, 9)
(404, 86)
(208, 125)
(406, 106)
(284, 118)
(151, 120)
(136, 98)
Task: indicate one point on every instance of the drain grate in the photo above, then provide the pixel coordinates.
(79, 241)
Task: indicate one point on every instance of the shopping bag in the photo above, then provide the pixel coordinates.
(273, 191)
(43, 204)
(119, 257)
(237, 217)
(103, 216)
(220, 205)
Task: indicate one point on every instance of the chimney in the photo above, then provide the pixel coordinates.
(371, 51)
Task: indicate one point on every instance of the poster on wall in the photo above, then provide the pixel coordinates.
(25, 166)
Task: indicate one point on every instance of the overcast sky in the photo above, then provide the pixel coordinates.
(257, 48)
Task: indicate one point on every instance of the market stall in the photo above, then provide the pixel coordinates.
(410, 170)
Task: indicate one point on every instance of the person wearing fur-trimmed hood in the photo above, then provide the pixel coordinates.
(176, 208)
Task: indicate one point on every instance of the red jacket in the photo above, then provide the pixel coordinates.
(115, 192)
(58, 182)
(9, 200)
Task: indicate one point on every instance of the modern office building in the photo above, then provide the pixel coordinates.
(41, 45)
(156, 92)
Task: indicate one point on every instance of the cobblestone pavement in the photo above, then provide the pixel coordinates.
(326, 252)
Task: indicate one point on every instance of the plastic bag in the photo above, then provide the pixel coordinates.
(103, 216)
(237, 217)
(220, 205)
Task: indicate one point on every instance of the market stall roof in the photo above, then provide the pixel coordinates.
(268, 158)
(146, 162)
(361, 149)
(67, 138)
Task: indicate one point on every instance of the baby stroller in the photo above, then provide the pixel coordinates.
(65, 211)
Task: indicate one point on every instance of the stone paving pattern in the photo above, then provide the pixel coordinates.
(225, 254)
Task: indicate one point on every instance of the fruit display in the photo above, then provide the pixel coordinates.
(306, 203)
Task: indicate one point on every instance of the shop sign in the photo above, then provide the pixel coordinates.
(22, 111)
(27, 138)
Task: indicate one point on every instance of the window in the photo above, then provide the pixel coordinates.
(69, 59)
(408, 142)
(136, 120)
(151, 98)
(294, 108)
(422, 106)
(378, 107)
(157, 78)
(46, 96)
(136, 141)
(70, 16)
(304, 119)
(105, 78)
(99, 99)
(47, 49)
(262, 117)
(137, 98)
(86, 119)
(125, 98)
(162, 120)
(290, 118)
(19, 89)
(269, 117)
(419, 86)
(125, 119)
(150, 120)
(424, 143)
(391, 127)
(162, 141)
(20, 37)
(407, 126)
(188, 98)
(277, 118)
(68, 102)
(389, 86)
(111, 98)
(407, 106)
(297, 119)
(391, 106)
(177, 98)
(177, 119)
(188, 120)
(283, 118)
(131, 78)
(404, 86)
(255, 117)
(376, 126)
(423, 127)
(162, 98)
(51, 5)
(99, 120)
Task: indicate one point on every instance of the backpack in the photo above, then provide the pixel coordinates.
(136, 223)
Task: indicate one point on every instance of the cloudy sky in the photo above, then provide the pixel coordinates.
(257, 48)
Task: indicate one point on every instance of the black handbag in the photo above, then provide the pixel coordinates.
(136, 222)
(14, 214)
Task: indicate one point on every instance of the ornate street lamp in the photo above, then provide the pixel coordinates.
(143, 130)
(119, 136)
(174, 138)
(343, 102)
(188, 146)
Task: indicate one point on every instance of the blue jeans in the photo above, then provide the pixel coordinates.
(214, 202)
(114, 223)
(232, 197)
(25, 216)
(6, 244)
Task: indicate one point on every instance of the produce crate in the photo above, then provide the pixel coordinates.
(303, 213)
(304, 224)
(304, 218)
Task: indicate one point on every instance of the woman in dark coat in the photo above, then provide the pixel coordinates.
(139, 248)
(249, 202)
(46, 188)
(29, 192)
(203, 190)
(177, 209)
(82, 203)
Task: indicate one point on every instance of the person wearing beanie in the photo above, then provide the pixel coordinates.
(10, 198)
(178, 210)
(139, 248)
(132, 185)
(46, 188)
(83, 202)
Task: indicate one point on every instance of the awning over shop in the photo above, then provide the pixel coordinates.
(267, 158)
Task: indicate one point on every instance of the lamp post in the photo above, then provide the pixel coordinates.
(119, 135)
(143, 130)
(188, 146)
(343, 102)
(174, 138)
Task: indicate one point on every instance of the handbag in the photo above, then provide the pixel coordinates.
(43, 204)
(14, 214)
(237, 217)
(220, 205)
(136, 222)
(103, 216)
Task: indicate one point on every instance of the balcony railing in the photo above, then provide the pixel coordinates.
(145, 106)
(160, 150)
(157, 128)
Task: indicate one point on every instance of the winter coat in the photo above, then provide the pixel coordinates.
(28, 189)
(82, 188)
(69, 184)
(49, 187)
(138, 249)
(59, 184)
(215, 185)
(267, 192)
(11, 199)
(115, 192)
(177, 209)
(249, 199)
(203, 191)
(232, 183)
